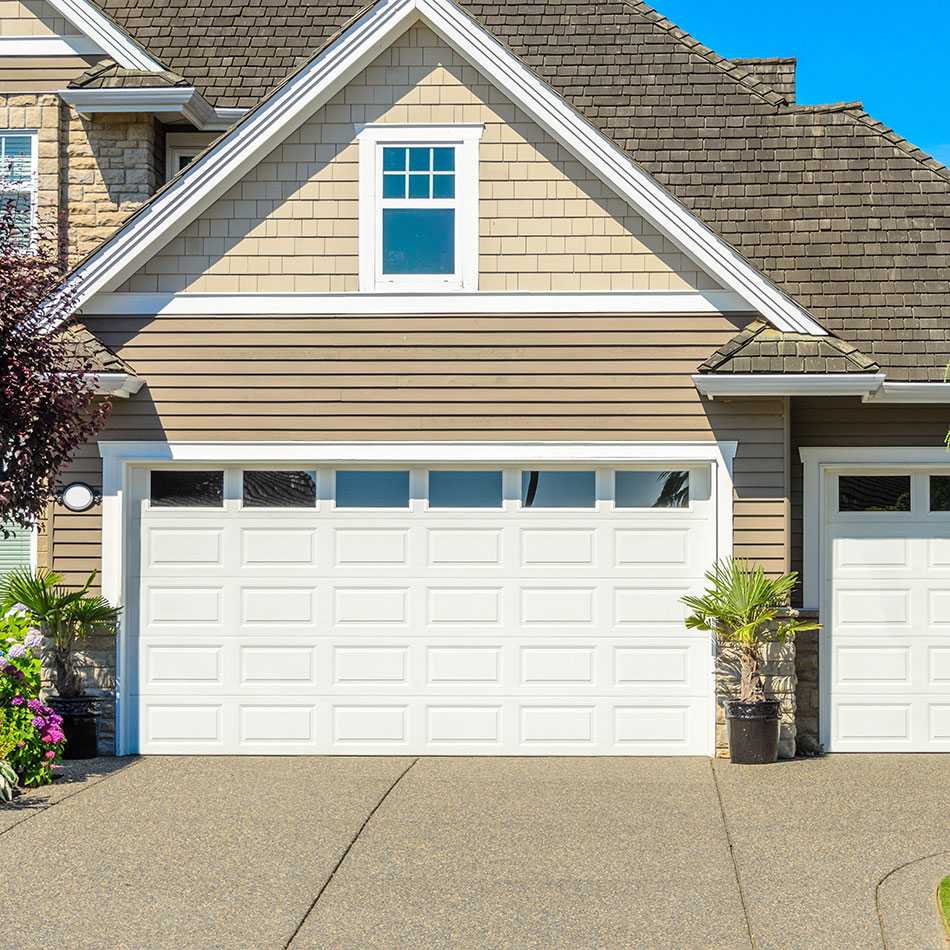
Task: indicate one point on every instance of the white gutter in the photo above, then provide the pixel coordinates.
(169, 103)
(116, 384)
(911, 393)
(788, 384)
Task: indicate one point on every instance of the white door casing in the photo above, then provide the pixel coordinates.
(445, 632)
(881, 582)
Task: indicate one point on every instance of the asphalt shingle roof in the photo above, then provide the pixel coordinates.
(109, 75)
(839, 211)
(86, 350)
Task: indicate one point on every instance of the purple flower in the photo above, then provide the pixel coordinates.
(17, 650)
(35, 706)
(39, 722)
(17, 610)
(16, 701)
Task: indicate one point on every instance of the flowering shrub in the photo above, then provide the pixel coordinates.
(36, 729)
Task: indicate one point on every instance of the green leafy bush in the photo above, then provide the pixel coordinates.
(31, 729)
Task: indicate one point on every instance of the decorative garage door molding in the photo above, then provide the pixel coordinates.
(877, 568)
(130, 525)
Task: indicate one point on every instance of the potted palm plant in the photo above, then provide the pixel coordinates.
(66, 618)
(745, 609)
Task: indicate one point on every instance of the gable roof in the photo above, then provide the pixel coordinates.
(759, 348)
(209, 176)
(839, 211)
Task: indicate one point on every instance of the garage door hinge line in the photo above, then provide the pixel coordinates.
(346, 851)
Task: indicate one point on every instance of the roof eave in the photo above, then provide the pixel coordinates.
(169, 103)
(788, 384)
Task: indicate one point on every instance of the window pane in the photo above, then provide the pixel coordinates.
(419, 186)
(372, 489)
(279, 490)
(394, 186)
(419, 159)
(557, 489)
(18, 204)
(874, 493)
(465, 489)
(418, 241)
(443, 159)
(184, 160)
(17, 157)
(940, 492)
(394, 159)
(186, 489)
(651, 489)
(443, 186)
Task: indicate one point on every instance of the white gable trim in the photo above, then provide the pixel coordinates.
(47, 46)
(107, 35)
(305, 92)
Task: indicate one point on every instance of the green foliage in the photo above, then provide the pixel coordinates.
(8, 781)
(943, 899)
(745, 609)
(66, 617)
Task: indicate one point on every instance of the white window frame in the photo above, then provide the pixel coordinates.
(184, 144)
(465, 138)
(32, 186)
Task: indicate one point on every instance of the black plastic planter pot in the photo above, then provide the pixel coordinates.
(80, 725)
(753, 732)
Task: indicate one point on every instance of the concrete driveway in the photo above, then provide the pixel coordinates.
(377, 852)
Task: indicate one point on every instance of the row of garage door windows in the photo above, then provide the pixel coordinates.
(880, 493)
(475, 488)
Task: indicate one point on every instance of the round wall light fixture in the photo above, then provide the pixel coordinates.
(78, 496)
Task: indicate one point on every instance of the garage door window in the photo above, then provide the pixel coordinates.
(474, 489)
(372, 489)
(267, 489)
(652, 489)
(541, 489)
(878, 493)
(190, 489)
(940, 492)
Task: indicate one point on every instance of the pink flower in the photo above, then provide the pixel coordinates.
(50, 754)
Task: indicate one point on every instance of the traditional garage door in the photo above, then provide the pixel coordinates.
(888, 577)
(419, 610)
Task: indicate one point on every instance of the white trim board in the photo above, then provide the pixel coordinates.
(788, 384)
(169, 103)
(118, 457)
(172, 209)
(110, 37)
(13, 46)
(910, 393)
(646, 302)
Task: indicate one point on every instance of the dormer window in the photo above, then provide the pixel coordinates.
(419, 208)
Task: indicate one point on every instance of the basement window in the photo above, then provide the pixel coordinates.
(418, 208)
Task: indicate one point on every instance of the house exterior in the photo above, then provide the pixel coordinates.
(449, 345)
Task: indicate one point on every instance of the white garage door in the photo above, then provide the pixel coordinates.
(420, 610)
(888, 575)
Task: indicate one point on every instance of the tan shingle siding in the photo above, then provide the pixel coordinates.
(546, 223)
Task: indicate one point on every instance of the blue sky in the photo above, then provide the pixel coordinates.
(891, 56)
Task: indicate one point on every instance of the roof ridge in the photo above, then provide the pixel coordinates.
(732, 347)
(731, 68)
(826, 106)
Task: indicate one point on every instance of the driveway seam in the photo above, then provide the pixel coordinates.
(35, 813)
(353, 840)
(877, 891)
(732, 856)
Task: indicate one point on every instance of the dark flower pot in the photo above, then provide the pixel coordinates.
(753, 732)
(80, 725)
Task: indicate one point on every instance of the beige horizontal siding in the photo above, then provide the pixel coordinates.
(546, 223)
(20, 74)
(563, 377)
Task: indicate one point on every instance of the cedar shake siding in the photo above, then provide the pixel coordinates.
(546, 223)
(339, 378)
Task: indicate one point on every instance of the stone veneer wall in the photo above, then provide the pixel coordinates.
(806, 694)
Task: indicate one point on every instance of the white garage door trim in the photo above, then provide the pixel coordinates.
(119, 458)
(821, 466)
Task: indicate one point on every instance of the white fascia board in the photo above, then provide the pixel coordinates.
(788, 384)
(911, 393)
(107, 34)
(13, 46)
(175, 102)
(305, 92)
(645, 302)
(122, 385)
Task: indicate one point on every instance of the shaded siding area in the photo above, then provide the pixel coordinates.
(843, 422)
(338, 378)
(42, 74)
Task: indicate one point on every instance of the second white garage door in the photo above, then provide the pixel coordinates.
(419, 610)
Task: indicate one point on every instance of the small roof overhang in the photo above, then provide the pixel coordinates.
(788, 384)
(122, 385)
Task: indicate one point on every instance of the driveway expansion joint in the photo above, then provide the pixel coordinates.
(346, 851)
(732, 856)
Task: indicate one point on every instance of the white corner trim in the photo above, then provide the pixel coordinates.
(464, 137)
(175, 103)
(42, 46)
(122, 385)
(118, 457)
(110, 37)
(292, 103)
(636, 302)
(787, 384)
(911, 393)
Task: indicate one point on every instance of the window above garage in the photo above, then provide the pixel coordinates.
(418, 208)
